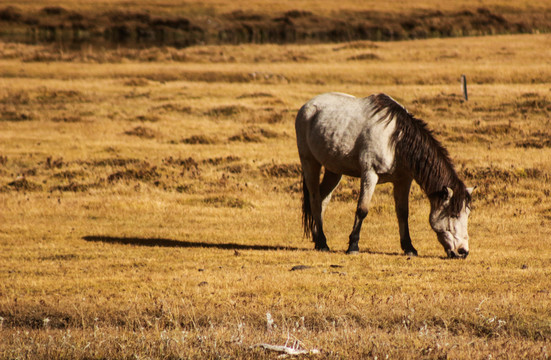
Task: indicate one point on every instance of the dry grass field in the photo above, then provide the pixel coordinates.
(150, 204)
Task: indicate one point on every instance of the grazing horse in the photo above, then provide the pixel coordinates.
(377, 140)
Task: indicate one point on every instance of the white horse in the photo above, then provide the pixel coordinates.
(377, 140)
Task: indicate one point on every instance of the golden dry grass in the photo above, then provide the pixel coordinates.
(151, 204)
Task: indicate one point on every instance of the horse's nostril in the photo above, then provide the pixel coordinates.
(462, 252)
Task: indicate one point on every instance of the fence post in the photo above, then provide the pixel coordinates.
(464, 87)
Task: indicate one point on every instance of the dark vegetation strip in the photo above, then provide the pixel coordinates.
(55, 24)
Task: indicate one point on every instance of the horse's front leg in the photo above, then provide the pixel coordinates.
(368, 182)
(401, 200)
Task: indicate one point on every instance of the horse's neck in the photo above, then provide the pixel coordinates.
(426, 160)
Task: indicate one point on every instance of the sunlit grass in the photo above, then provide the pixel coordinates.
(127, 239)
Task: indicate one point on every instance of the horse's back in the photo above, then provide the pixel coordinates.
(339, 131)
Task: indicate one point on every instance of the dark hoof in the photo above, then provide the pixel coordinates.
(322, 248)
(353, 248)
(411, 252)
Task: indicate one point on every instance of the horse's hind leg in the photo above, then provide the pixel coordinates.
(368, 181)
(328, 184)
(311, 171)
(401, 195)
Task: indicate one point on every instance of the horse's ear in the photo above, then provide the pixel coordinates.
(444, 196)
(447, 193)
(470, 189)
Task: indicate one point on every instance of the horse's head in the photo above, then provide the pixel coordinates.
(450, 224)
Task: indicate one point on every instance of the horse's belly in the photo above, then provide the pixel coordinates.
(350, 150)
(336, 153)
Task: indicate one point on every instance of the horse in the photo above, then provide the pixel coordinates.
(377, 140)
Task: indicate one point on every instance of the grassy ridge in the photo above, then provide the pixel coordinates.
(151, 204)
(174, 24)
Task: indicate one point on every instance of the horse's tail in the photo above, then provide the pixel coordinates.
(307, 218)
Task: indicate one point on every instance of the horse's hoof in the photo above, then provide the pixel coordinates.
(411, 253)
(322, 248)
(352, 252)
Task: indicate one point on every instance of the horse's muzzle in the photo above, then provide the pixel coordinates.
(459, 254)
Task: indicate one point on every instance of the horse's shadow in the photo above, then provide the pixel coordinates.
(169, 243)
(402, 254)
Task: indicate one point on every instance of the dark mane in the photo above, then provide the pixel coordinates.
(421, 154)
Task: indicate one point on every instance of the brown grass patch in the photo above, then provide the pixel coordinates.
(496, 130)
(227, 201)
(17, 116)
(199, 140)
(237, 168)
(142, 132)
(67, 119)
(136, 82)
(188, 163)
(254, 134)
(535, 143)
(22, 184)
(492, 173)
(52, 163)
(361, 57)
(221, 160)
(170, 107)
(76, 187)
(439, 100)
(357, 45)
(255, 95)
(226, 111)
(143, 173)
(114, 162)
(147, 118)
(69, 174)
(281, 170)
(189, 166)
